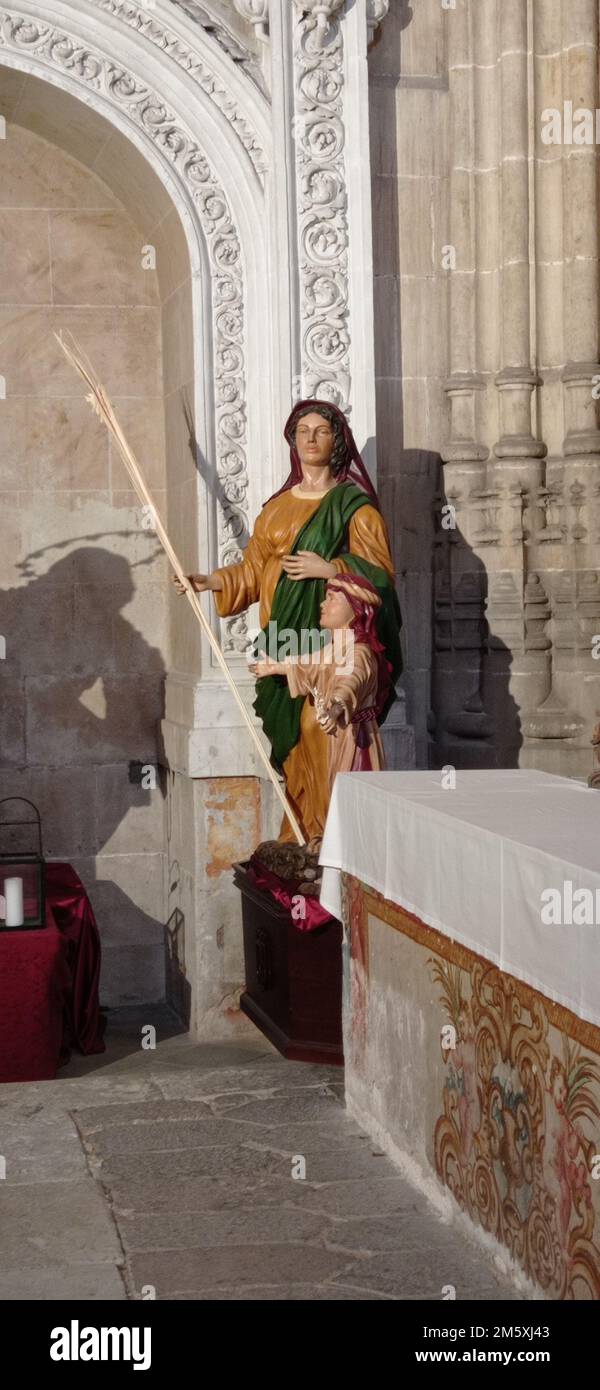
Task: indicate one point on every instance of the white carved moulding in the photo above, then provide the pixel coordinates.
(144, 21)
(319, 128)
(376, 13)
(257, 13)
(324, 12)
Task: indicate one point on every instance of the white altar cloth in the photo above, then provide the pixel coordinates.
(473, 863)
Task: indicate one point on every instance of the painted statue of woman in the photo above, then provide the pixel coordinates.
(324, 521)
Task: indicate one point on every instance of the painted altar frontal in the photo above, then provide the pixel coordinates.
(485, 1089)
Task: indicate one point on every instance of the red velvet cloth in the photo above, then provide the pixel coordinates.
(312, 914)
(49, 984)
(72, 910)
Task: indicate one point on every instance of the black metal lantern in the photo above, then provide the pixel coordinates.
(22, 876)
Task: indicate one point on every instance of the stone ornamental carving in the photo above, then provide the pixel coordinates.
(376, 13)
(144, 21)
(323, 13)
(144, 108)
(322, 203)
(257, 12)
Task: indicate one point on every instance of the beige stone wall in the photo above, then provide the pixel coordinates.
(487, 360)
(82, 603)
(409, 160)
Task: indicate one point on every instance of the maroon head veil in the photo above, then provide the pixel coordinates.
(350, 467)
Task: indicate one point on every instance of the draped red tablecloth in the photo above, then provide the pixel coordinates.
(49, 984)
(286, 892)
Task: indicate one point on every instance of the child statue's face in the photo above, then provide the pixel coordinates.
(336, 612)
(314, 440)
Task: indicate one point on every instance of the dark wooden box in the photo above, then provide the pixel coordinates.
(293, 978)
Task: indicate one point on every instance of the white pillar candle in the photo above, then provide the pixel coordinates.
(13, 894)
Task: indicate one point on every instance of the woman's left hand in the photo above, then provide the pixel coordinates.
(306, 564)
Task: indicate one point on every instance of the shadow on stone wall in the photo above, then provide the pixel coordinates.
(229, 491)
(474, 719)
(82, 697)
(457, 672)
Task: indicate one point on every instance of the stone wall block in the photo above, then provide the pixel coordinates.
(549, 225)
(91, 720)
(416, 113)
(388, 315)
(144, 429)
(97, 259)
(25, 276)
(177, 330)
(12, 718)
(131, 975)
(64, 797)
(37, 623)
(130, 818)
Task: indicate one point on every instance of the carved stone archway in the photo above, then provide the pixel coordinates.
(259, 135)
(169, 94)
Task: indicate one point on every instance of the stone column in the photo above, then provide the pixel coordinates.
(549, 224)
(516, 379)
(561, 692)
(459, 589)
(581, 281)
(462, 387)
(487, 205)
(576, 590)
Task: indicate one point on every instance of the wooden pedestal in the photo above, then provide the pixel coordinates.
(293, 978)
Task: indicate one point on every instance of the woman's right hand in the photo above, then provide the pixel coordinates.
(199, 582)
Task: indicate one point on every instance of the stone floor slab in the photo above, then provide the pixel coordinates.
(45, 1224)
(183, 1271)
(90, 1281)
(205, 1230)
(178, 1168)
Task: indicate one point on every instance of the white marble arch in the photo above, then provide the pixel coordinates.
(205, 130)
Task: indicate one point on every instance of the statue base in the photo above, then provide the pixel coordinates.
(293, 979)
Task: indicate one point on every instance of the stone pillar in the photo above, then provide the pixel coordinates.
(549, 225)
(581, 280)
(516, 379)
(487, 200)
(561, 698)
(515, 655)
(464, 383)
(459, 588)
(576, 595)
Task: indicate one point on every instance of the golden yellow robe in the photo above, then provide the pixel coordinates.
(255, 580)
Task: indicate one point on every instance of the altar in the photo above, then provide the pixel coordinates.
(471, 1013)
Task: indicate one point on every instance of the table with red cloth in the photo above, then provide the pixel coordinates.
(49, 984)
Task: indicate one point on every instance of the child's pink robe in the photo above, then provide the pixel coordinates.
(356, 689)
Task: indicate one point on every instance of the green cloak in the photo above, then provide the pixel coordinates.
(297, 603)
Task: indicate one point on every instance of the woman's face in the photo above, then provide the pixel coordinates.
(314, 440)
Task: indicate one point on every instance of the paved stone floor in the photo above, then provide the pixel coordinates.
(170, 1173)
